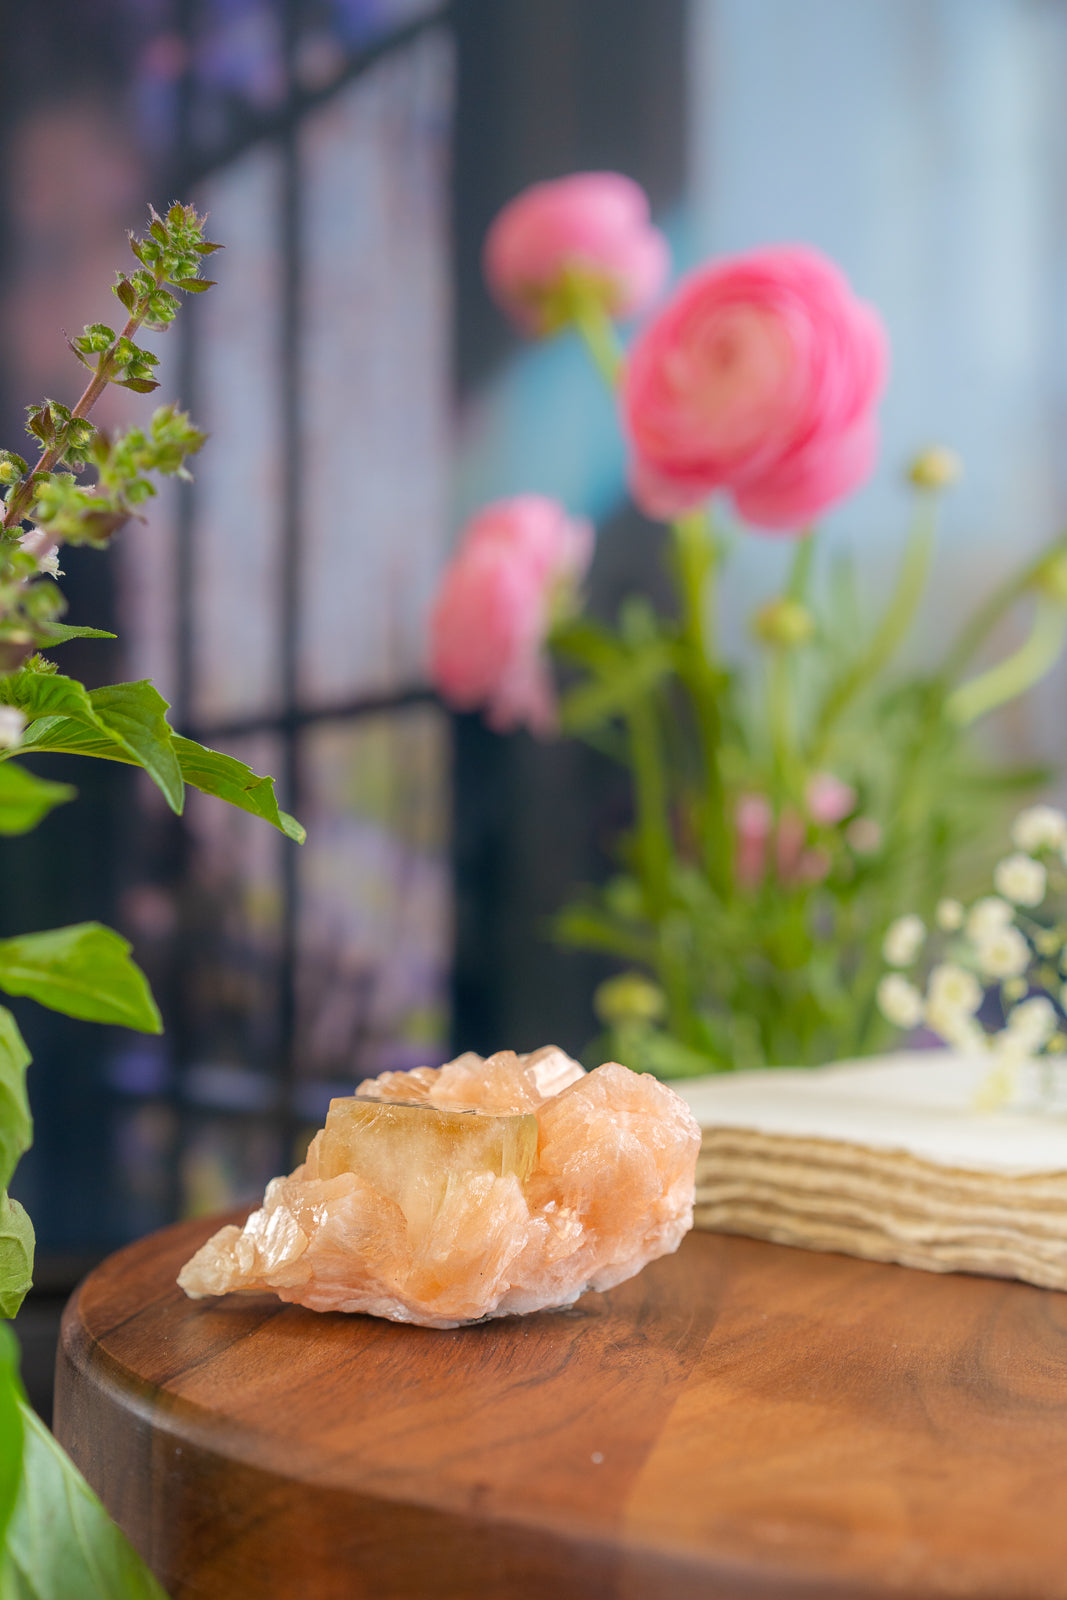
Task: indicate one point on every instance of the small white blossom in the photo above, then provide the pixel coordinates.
(1039, 828)
(949, 915)
(900, 1001)
(1011, 1046)
(1003, 953)
(903, 940)
(956, 1028)
(1034, 1021)
(953, 988)
(1021, 879)
(12, 723)
(987, 916)
(40, 544)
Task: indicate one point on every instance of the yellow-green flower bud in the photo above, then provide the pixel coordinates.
(935, 468)
(783, 623)
(1051, 578)
(630, 997)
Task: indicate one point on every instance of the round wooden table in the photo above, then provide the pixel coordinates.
(739, 1420)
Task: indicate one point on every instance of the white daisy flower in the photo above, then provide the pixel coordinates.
(1003, 953)
(956, 1028)
(1034, 1021)
(1039, 828)
(987, 915)
(1021, 879)
(900, 1001)
(953, 988)
(949, 915)
(903, 940)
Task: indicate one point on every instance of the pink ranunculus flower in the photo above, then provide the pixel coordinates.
(760, 378)
(593, 226)
(517, 564)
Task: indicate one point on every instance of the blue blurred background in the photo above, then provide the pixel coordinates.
(363, 397)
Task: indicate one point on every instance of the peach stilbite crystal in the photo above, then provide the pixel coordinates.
(476, 1189)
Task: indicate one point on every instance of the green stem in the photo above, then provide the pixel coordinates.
(654, 846)
(598, 334)
(799, 579)
(891, 631)
(1018, 672)
(22, 500)
(696, 559)
(779, 683)
(778, 718)
(974, 633)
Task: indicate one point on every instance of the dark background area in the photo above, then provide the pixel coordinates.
(542, 87)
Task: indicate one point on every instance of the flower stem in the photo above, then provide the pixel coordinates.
(1018, 672)
(799, 579)
(599, 335)
(998, 605)
(22, 500)
(654, 848)
(696, 560)
(891, 631)
(779, 684)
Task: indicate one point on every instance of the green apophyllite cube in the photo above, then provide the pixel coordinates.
(413, 1153)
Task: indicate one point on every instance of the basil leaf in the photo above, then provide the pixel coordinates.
(84, 971)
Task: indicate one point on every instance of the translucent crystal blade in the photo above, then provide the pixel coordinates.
(411, 1152)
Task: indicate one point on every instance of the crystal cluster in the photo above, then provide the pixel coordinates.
(476, 1189)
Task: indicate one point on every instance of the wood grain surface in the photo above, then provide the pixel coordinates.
(740, 1420)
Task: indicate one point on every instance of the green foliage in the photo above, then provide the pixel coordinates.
(52, 492)
(775, 961)
(16, 1130)
(11, 1432)
(58, 1542)
(15, 1126)
(84, 971)
(25, 798)
(61, 1543)
(131, 716)
(16, 1255)
(214, 773)
(210, 771)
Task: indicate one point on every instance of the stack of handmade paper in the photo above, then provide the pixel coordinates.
(889, 1159)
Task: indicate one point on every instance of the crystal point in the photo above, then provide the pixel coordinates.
(476, 1189)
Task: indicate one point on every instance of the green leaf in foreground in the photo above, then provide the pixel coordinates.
(16, 1255)
(61, 1543)
(16, 1128)
(10, 1427)
(84, 971)
(56, 633)
(129, 716)
(25, 798)
(214, 773)
(135, 715)
(210, 771)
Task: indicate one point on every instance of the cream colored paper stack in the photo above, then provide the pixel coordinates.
(888, 1159)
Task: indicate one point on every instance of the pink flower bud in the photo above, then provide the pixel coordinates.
(759, 377)
(591, 228)
(753, 822)
(518, 561)
(829, 800)
(789, 845)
